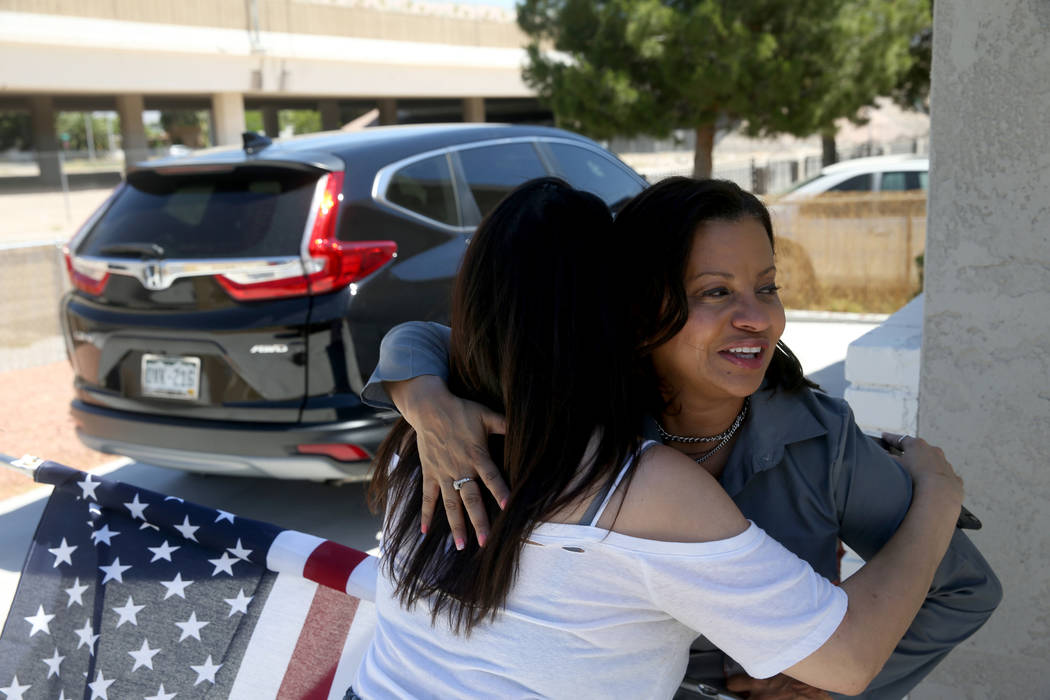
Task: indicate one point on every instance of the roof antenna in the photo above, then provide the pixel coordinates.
(253, 142)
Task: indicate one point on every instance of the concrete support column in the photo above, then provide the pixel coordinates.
(330, 120)
(271, 125)
(387, 111)
(45, 141)
(132, 129)
(984, 391)
(473, 109)
(227, 110)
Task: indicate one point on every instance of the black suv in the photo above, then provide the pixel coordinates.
(228, 306)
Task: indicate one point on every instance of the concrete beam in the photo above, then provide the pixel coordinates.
(45, 141)
(387, 111)
(330, 119)
(227, 109)
(162, 103)
(85, 103)
(474, 109)
(132, 129)
(28, 68)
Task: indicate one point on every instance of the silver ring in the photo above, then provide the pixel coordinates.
(458, 483)
(900, 442)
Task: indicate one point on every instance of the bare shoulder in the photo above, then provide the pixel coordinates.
(671, 499)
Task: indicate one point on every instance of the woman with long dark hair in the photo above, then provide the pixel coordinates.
(697, 279)
(609, 554)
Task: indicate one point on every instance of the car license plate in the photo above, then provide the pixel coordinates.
(171, 377)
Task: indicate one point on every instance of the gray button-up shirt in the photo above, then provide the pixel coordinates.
(805, 473)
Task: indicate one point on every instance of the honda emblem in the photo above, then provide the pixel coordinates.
(153, 276)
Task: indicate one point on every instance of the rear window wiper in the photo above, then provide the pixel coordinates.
(141, 250)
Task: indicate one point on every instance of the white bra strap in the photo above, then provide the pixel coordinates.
(619, 477)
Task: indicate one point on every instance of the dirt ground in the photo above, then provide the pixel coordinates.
(34, 419)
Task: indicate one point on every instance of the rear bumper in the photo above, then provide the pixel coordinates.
(229, 448)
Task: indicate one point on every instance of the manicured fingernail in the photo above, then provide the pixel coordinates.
(460, 544)
(482, 539)
(503, 504)
(423, 528)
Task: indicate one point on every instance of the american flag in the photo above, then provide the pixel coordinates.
(128, 594)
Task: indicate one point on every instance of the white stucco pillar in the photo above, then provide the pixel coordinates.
(45, 141)
(132, 129)
(227, 110)
(473, 109)
(329, 110)
(984, 392)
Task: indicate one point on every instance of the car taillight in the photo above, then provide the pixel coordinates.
(88, 276)
(330, 264)
(342, 452)
(281, 280)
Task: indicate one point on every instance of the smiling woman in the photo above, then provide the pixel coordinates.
(734, 322)
(707, 310)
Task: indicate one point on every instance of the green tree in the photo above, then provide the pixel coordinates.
(15, 130)
(872, 57)
(186, 127)
(625, 67)
(74, 125)
(253, 121)
(913, 87)
(302, 121)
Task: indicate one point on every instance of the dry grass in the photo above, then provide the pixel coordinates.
(856, 300)
(850, 251)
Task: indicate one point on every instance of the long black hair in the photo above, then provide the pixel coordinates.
(538, 334)
(658, 228)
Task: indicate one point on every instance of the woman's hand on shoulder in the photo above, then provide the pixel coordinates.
(927, 466)
(672, 499)
(452, 437)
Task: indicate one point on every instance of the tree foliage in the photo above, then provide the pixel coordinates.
(72, 131)
(253, 121)
(628, 67)
(913, 86)
(185, 127)
(301, 121)
(15, 130)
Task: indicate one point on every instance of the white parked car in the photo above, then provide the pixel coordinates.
(896, 173)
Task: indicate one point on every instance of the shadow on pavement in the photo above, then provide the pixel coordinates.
(832, 379)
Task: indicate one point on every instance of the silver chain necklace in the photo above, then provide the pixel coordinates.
(722, 438)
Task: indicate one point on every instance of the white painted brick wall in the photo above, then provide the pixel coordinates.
(882, 373)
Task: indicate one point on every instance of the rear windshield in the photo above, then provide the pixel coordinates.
(242, 213)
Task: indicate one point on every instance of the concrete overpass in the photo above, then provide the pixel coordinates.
(411, 61)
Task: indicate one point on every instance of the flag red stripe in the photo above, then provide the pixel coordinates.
(316, 657)
(331, 564)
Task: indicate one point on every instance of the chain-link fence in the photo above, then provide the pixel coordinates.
(46, 195)
(31, 286)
